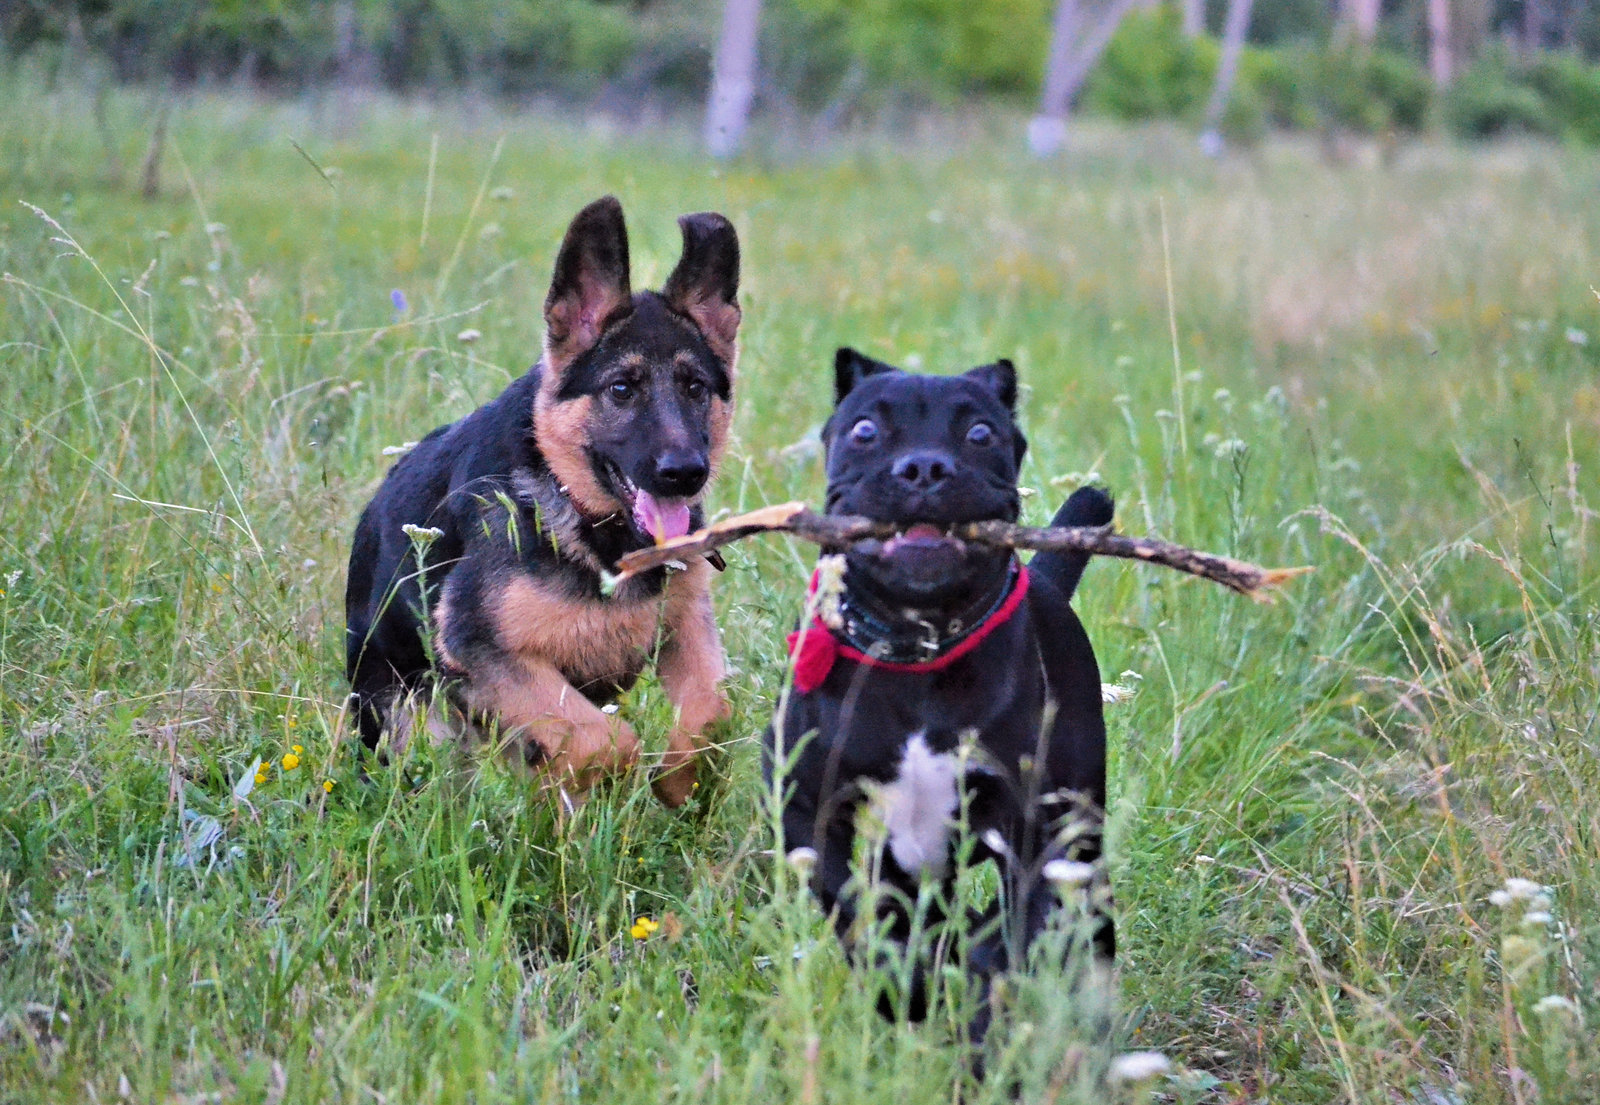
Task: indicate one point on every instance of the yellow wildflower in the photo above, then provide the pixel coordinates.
(297, 749)
(290, 762)
(260, 778)
(642, 928)
(327, 786)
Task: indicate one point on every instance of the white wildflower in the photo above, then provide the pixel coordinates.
(1138, 1066)
(422, 536)
(1068, 874)
(1113, 693)
(830, 588)
(1557, 1004)
(802, 860)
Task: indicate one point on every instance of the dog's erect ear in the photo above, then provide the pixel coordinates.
(850, 368)
(1000, 378)
(705, 285)
(590, 284)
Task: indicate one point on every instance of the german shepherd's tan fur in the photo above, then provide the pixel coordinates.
(604, 446)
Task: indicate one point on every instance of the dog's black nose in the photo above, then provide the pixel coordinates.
(681, 472)
(925, 469)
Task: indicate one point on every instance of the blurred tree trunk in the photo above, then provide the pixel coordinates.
(1233, 32)
(1439, 59)
(1532, 24)
(150, 171)
(1194, 18)
(1362, 17)
(733, 78)
(1070, 61)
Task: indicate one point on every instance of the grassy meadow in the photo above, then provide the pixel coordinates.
(1389, 371)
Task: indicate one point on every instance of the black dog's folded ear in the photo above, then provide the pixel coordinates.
(590, 284)
(850, 368)
(1000, 378)
(705, 284)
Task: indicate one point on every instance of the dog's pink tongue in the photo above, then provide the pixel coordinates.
(661, 520)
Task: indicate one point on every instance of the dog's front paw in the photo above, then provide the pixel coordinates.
(675, 783)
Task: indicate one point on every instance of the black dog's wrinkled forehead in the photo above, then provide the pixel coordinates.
(917, 406)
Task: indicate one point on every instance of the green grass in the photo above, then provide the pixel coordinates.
(1393, 374)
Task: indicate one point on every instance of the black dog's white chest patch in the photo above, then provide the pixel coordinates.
(917, 808)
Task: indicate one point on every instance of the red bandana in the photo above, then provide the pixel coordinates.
(813, 649)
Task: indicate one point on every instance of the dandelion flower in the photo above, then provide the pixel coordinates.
(290, 761)
(642, 928)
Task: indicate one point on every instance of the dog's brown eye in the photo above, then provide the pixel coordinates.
(695, 389)
(621, 391)
(864, 432)
(981, 433)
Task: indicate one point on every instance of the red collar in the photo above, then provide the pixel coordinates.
(814, 649)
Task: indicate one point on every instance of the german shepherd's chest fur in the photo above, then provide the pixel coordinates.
(483, 552)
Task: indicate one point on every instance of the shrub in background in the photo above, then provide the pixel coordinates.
(938, 48)
(1570, 90)
(1490, 98)
(1152, 70)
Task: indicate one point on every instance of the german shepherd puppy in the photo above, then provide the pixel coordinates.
(481, 556)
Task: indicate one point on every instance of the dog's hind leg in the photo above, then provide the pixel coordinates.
(691, 666)
(554, 726)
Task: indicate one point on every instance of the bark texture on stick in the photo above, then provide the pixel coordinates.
(837, 532)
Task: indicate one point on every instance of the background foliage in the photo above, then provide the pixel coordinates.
(841, 58)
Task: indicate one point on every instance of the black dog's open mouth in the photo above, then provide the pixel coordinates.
(923, 553)
(923, 538)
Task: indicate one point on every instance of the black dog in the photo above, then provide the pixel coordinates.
(944, 680)
(605, 446)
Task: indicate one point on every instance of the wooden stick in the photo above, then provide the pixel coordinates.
(839, 531)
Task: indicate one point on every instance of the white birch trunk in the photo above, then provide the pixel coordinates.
(733, 78)
(1439, 59)
(1071, 59)
(1362, 17)
(1233, 32)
